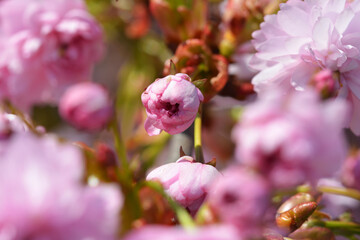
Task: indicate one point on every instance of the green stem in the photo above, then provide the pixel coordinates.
(132, 206)
(183, 216)
(132, 209)
(349, 227)
(340, 191)
(352, 237)
(342, 225)
(121, 150)
(197, 137)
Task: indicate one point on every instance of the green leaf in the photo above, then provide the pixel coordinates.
(173, 70)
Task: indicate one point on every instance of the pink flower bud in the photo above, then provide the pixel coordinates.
(325, 83)
(195, 58)
(171, 104)
(86, 106)
(291, 219)
(186, 181)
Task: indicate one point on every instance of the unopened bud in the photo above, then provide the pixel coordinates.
(228, 44)
(294, 201)
(186, 181)
(326, 83)
(296, 216)
(139, 22)
(87, 106)
(238, 23)
(208, 71)
(105, 155)
(180, 20)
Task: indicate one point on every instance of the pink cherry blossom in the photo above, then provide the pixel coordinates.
(45, 46)
(158, 232)
(171, 104)
(42, 195)
(293, 138)
(240, 198)
(87, 106)
(186, 181)
(305, 37)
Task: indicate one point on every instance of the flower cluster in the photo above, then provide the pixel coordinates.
(50, 44)
(42, 196)
(241, 136)
(325, 38)
(292, 139)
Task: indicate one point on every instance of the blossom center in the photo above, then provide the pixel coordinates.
(63, 48)
(230, 198)
(171, 109)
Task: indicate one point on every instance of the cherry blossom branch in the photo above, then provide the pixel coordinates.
(120, 148)
(340, 191)
(344, 227)
(199, 157)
